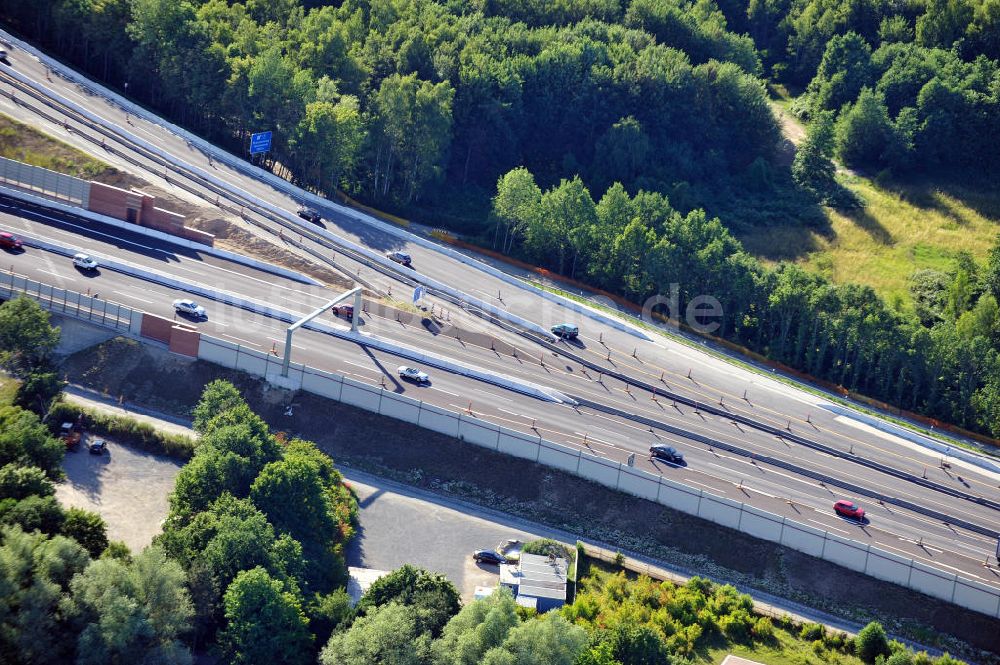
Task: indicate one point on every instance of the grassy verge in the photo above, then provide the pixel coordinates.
(24, 144)
(798, 385)
(125, 430)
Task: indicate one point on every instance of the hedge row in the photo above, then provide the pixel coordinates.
(124, 429)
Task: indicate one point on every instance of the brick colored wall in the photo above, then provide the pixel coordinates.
(113, 202)
(157, 327)
(184, 341)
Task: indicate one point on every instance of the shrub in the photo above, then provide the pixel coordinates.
(871, 642)
(811, 632)
(736, 626)
(817, 646)
(763, 629)
(86, 528)
(547, 546)
(835, 641)
(124, 430)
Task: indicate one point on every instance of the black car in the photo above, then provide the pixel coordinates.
(488, 556)
(308, 213)
(666, 453)
(97, 447)
(400, 257)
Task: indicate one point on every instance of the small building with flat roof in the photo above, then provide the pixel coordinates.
(536, 581)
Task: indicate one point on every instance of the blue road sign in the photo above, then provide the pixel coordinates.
(418, 293)
(260, 142)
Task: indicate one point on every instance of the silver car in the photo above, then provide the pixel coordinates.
(412, 374)
(189, 307)
(84, 262)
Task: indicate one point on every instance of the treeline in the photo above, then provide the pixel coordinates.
(410, 101)
(944, 362)
(914, 86)
(249, 565)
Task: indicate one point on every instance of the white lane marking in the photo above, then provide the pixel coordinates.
(826, 527)
(54, 274)
(133, 297)
(240, 339)
(446, 392)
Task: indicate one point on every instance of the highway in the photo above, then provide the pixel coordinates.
(729, 475)
(675, 366)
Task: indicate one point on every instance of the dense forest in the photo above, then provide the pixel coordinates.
(500, 118)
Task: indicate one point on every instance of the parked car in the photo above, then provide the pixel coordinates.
(310, 214)
(9, 240)
(189, 307)
(97, 446)
(666, 453)
(565, 331)
(412, 374)
(846, 508)
(84, 262)
(400, 257)
(488, 556)
(346, 311)
(69, 435)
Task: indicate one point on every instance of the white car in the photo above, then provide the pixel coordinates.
(189, 307)
(84, 262)
(412, 374)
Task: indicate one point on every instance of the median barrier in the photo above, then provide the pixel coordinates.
(638, 483)
(976, 596)
(558, 456)
(720, 510)
(804, 538)
(599, 469)
(479, 432)
(679, 497)
(883, 565)
(761, 524)
(322, 383)
(516, 444)
(438, 420)
(399, 407)
(932, 581)
(846, 552)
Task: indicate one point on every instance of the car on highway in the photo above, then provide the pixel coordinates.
(846, 508)
(310, 214)
(346, 311)
(10, 241)
(84, 262)
(412, 374)
(566, 331)
(189, 307)
(666, 453)
(97, 446)
(488, 556)
(401, 258)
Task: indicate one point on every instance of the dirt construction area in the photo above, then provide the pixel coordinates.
(126, 486)
(447, 466)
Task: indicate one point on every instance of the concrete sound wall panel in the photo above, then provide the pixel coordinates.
(887, 566)
(846, 552)
(518, 444)
(720, 510)
(400, 407)
(804, 538)
(360, 395)
(437, 419)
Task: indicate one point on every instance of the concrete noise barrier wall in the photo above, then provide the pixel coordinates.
(467, 427)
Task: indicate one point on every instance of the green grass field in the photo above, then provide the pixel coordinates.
(904, 226)
(8, 390)
(24, 144)
(787, 649)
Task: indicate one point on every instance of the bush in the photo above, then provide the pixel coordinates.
(125, 430)
(547, 546)
(817, 646)
(811, 632)
(86, 528)
(871, 642)
(763, 629)
(835, 641)
(736, 626)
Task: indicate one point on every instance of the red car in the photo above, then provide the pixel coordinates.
(347, 311)
(849, 509)
(9, 240)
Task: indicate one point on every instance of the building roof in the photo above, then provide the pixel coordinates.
(538, 570)
(542, 592)
(359, 581)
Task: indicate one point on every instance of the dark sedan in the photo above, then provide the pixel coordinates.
(666, 453)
